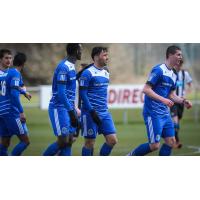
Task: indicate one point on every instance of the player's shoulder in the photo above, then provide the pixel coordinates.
(88, 71)
(14, 72)
(158, 68)
(65, 66)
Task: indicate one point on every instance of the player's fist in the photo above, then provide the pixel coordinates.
(22, 117)
(73, 118)
(168, 102)
(28, 96)
(187, 104)
(95, 117)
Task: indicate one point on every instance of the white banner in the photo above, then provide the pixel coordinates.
(119, 96)
(125, 96)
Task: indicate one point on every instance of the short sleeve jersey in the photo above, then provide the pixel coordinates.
(163, 81)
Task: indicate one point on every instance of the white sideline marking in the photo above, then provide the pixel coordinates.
(195, 148)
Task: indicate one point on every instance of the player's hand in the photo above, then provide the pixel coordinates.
(187, 104)
(73, 118)
(95, 117)
(168, 102)
(28, 96)
(22, 117)
(78, 111)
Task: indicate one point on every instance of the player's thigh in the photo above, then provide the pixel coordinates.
(89, 128)
(107, 126)
(60, 121)
(154, 127)
(4, 132)
(168, 129)
(15, 126)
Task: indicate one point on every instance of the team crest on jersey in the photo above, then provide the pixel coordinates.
(65, 130)
(90, 132)
(157, 137)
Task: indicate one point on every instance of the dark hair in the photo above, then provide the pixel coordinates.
(3, 52)
(172, 50)
(97, 50)
(19, 59)
(72, 48)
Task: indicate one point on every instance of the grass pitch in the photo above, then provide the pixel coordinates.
(129, 135)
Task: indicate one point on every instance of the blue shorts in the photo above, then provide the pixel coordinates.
(11, 125)
(158, 126)
(90, 129)
(60, 122)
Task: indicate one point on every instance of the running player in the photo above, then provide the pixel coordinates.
(159, 97)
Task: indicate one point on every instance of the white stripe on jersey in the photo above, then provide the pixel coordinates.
(57, 121)
(5, 101)
(19, 124)
(4, 109)
(84, 125)
(151, 130)
(4, 113)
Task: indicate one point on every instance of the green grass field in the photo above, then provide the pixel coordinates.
(129, 135)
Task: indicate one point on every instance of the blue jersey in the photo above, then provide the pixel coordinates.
(96, 82)
(163, 81)
(9, 79)
(64, 74)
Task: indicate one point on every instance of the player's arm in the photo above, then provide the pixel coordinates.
(188, 80)
(15, 96)
(23, 90)
(153, 79)
(180, 100)
(61, 83)
(149, 92)
(84, 83)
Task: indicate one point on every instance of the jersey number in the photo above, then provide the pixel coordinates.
(3, 88)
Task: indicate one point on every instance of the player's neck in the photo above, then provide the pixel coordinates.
(71, 59)
(18, 69)
(97, 65)
(168, 64)
(3, 67)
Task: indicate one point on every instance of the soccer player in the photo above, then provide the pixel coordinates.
(62, 112)
(94, 111)
(159, 97)
(12, 117)
(183, 80)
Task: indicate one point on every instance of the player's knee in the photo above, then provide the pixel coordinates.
(62, 144)
(89, 143)
(155, 146)
(112, 141)
(170, 141)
